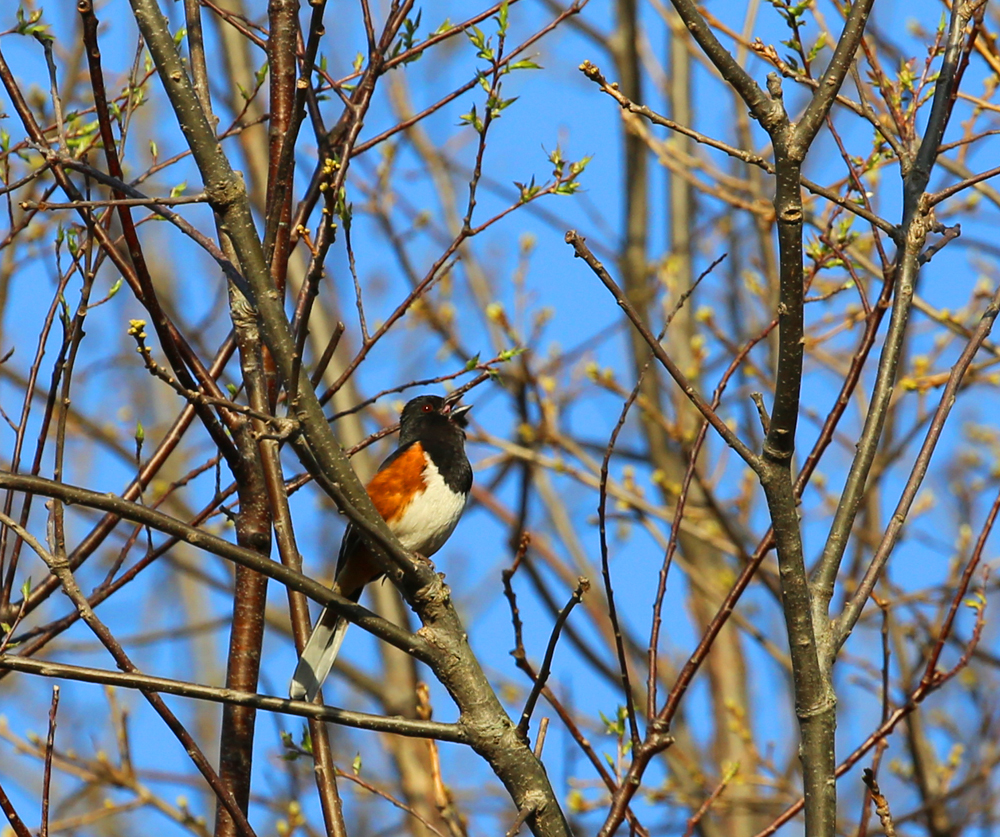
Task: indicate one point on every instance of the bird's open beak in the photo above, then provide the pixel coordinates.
(457, 414)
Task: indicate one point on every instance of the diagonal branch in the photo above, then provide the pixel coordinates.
(764, 108)
(912, 236)
(833, 78)
(543, 673)
(16, 823)
(749, 157)
(579, 244)
(852, 610)
(146, 516)
(59, 566)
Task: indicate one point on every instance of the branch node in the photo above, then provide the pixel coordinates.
(774, 87)
(765, 419)
(880, 802)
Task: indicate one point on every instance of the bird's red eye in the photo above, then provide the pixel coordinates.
(428, 408)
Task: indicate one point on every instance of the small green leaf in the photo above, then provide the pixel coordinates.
(502, 17)
(356, 765)
(261, 74)
(472, 362)
(508, 354)
(30, 25)
(472, 118)
(291, 751)
(529, 191)
(477, 37)
(817, 47)
(498, 105)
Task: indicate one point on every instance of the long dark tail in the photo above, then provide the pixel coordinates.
(318, 656)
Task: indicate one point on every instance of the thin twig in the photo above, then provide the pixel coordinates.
(543, 728)
(582, 251)
(696, 818)
(150, 202)
(47, 774)
(522, 815)
(543, 673)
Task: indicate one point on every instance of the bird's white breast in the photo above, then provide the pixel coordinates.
(429, 519)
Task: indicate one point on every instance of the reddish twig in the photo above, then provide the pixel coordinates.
(47, 774)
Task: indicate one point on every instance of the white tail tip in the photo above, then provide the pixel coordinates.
(317, 657)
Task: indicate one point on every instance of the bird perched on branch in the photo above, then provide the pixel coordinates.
(420, 491)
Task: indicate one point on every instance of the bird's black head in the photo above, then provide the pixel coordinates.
(431, 415)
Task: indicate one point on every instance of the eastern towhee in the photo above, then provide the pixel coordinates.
(420, 491)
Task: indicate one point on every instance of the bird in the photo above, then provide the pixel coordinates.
(421, 491)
